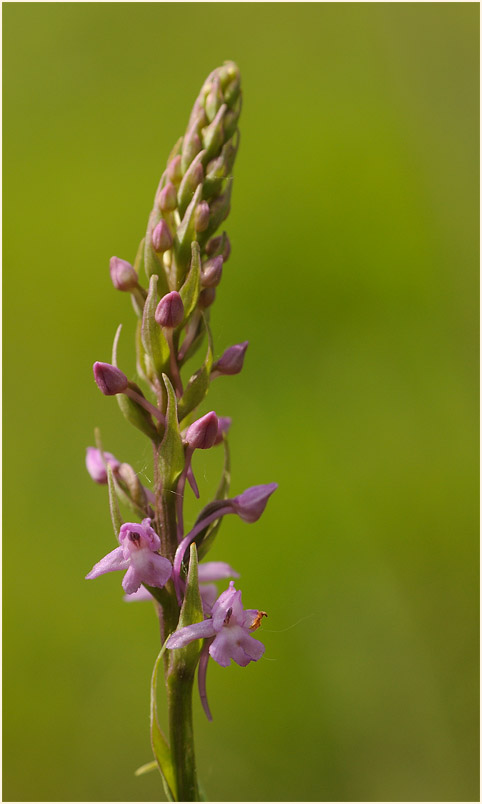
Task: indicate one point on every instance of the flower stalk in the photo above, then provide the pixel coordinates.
(183, 261)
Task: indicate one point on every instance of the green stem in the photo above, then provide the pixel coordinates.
(179, 680)
(179, 685)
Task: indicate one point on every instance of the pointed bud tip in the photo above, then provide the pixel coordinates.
(109, 379)
(232, 360)
(161, 237)
(122, 274)
(170, 310)
(251, 503)
(202, 434)
(212, 272)
(167, 198)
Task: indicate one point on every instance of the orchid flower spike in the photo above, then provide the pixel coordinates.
(138, 554)
(231, 626)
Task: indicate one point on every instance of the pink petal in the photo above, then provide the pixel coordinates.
(209, 595)
(131, 581)
(215, 571)
(152, 569)
(189, 633)
(111, 562)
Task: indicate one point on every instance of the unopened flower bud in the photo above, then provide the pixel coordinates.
(214, 99)
(212, 272)
(133, 485)
(110, 379)
(192, 178)
(251, 503)
(224, 423)
(206, 298)
(202, 433)
(122, 274)
(201, 216)
(96, 466)
(219, 245)
(167, 198)
(170, 310)
(174, 171)
(231, 362)
(161, 237)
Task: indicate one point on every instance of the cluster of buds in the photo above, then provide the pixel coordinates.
(182, 258)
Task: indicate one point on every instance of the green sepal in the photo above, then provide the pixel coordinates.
(192, 142)
(142, 364)
(176, 150)
(198, 385)
(192, 286)
(171, 451)
(132, 411)
(220, 168)
(159, 744)
(124, 498)
(153, 340)
(139, 260)
(230, 78)
(187, 187)
(198, 339)
(186, 233)
(130, 491)
(191, 612)
(113, 503)
(219, 211)
(137, 415)
(212, 137)
(205, 539)
(152, 262)
(214, 99)
(231, 118)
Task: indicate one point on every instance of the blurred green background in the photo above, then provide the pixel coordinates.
(354, 275)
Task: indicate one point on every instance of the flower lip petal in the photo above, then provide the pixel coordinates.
(110, 563)
(189, 633)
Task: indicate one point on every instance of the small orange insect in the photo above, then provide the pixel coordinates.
(257, 620)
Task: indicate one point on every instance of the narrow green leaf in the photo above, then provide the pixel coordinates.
(171, 452)
(191, 612)
(160, 747)
(199, 336)
(192, 609)
(153, 340)
(192, 286)
(113, 503)
(198, 385)
(219, 211)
